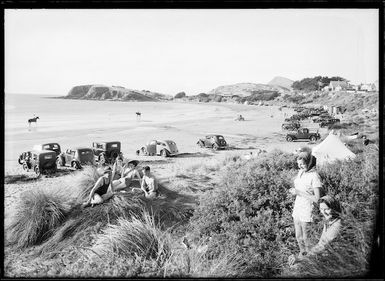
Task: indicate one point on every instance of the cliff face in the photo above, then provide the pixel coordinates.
(101, 92)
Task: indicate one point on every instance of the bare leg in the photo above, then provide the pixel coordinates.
(305, 229)
(299, 236)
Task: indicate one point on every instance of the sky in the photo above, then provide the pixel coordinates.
(192, 50)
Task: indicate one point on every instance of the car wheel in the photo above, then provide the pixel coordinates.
(313, 138)
(289, 138)
(114, 155)
(102, 159)
(59, 162)
(215, 146)
(75, 165)
(163, 153)
(37, 171)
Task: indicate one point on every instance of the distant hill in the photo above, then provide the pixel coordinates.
(282, 82)
(245, 89)
(102, 92)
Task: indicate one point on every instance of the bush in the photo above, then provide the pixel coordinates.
(180, 95)
(249, 213)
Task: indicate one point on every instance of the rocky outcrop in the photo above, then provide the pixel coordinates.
(102, 92)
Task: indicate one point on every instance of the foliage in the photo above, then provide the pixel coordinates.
(136, 236)
(180, 95)
(249, 213)
(39, 211)
(316, 83)
(293, 98)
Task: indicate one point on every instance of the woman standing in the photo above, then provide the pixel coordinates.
(307, 186)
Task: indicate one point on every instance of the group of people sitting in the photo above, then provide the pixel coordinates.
(307, 186)
(106, 186)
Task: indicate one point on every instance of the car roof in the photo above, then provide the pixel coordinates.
(80, 148)
(44, 151)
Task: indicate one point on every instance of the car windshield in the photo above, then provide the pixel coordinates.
(114, 145)
(220, 138)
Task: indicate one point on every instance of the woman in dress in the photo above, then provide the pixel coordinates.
(307, 186)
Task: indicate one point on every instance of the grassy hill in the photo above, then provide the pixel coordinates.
(282, 82)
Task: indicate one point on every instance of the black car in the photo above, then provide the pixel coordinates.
(213, 141)
(38, 161)
(106, 152)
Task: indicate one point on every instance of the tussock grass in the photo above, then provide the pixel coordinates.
(37, 214)
(138, 236)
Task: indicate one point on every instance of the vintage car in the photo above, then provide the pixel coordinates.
(329, 122)
(42, 161)
(303, 133)
(48, 146)
(291, 126)
(76, 157)
(164, 148)
(213, 141)
(106, 152)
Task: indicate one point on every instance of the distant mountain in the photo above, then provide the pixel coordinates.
(245, 89)
(102, 92)
(282, 82)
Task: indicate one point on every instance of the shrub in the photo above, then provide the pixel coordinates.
(180, 95)
(249, 213)
(37, 214)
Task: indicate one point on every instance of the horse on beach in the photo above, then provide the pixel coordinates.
(33, 120)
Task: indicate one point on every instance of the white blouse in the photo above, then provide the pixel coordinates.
(305, 182)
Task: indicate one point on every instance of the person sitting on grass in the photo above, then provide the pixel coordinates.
(149, 184)
(128, 174)
(330, 209)
(102, 190)
(307, 186)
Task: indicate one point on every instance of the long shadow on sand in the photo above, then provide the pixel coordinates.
(9, 179)
(191, 155)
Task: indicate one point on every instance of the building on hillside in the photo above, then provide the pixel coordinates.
(371, 87)
(338, 85)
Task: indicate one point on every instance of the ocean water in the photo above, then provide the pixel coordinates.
(63, 114)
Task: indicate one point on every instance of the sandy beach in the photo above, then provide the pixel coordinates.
(74, 123)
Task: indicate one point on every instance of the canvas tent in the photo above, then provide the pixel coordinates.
(331, 149)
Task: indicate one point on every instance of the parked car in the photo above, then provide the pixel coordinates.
(164, 148)
(76, 157)
(213, 141)
(328, 122)
(42, 161)
(291, 126)
(48, 146)
(301, 134)
(106, 152)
